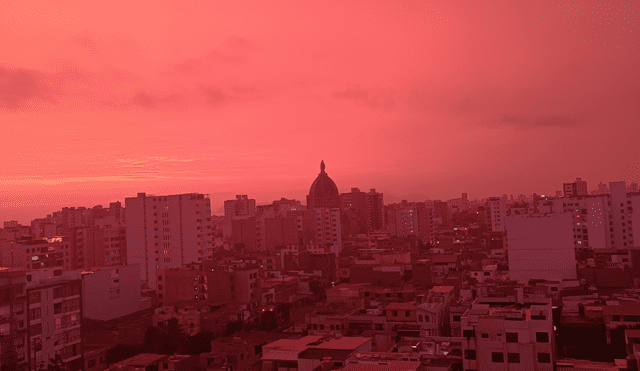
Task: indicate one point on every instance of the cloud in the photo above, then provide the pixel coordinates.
(378, 99)
(536, 121)
(21, 88)
(147, 100)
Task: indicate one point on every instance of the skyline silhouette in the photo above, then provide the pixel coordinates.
(415, 97)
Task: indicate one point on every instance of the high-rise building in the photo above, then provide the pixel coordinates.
(356, 202)
(244, 232)
(621, 216)
(54, 313)
(496, 213)
(279, 231)
(35, 253)
(167, 232)
(375, 202)
(322, 226)
(240, 208)
(13, 318)
(442, 212)
(87, 246)
(541, 247)
(410, 219)
(579, 187)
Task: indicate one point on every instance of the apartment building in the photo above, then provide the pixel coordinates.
(54, 311)
(167, 232)
(501, 334)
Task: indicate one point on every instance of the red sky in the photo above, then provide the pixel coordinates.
(101, 100)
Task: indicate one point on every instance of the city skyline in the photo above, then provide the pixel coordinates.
(430, 98)
(24, 215)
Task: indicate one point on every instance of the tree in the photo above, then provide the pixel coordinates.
(56, 364)
(120, 352)
(233, 327)
(200, 343)
(174, 337)
(153, 340)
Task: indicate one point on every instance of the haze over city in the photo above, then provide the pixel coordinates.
(425, 98)
(416, 185)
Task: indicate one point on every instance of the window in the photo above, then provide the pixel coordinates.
(484, 335)
(469, 354)
(512, 337)
(615, 318)
(159, 278)
(379, 327)
(91, 363)
(497, 357)
(544, 358)
(395, 313)
(57, 292)
(57, 308)
(468, 333)
(34, 297)
(513, 357)
(36, 329)
(542, 337)
(456, 318)
(34, 313)
(165, 366)
(407, 313)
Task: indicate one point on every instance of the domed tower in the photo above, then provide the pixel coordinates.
(323, 192)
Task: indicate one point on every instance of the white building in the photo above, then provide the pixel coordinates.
(111, 292)
(601, 221)
(167, 232)
(622, 217)
(541, 247)
(322, 227)
(496, 213)
(590, 218)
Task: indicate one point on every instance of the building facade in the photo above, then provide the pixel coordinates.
(167, 232)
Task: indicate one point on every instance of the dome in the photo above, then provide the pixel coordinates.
(323, 191)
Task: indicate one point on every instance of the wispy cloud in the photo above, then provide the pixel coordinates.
(537, 121)
(377, 98)
(22, 89)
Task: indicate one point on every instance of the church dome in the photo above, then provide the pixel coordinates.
(323, 191)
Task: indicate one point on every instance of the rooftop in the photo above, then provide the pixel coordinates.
(387, 366)
(442, 289)
(400, 306)
(444, 258)
(144, 359)
(318, 342)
